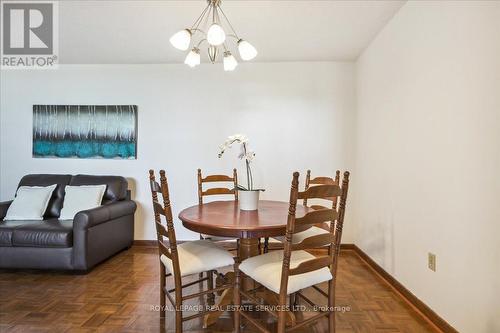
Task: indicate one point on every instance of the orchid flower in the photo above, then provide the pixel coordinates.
(245, 153)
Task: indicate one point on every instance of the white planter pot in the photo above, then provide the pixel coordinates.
(248, 200)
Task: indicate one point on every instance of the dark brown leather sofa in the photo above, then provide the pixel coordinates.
(91, 237)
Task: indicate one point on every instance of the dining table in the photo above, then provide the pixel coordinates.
(226, 219)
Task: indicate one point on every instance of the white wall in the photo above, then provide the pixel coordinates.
(297, 115)
(427, 157)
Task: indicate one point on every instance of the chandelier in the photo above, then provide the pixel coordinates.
(214, 18)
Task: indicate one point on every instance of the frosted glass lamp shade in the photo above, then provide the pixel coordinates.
(230, 62)
(247, 51)
(181, 40)
(216, 35)
(193, 58)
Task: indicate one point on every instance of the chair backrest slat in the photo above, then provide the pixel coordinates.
(158, 208)
(161, 230)
(164, 250)
(216, 178)
(217, 190)
(323, 181)
(311, 265)
(315, 241)
(318, 207)
(321, 192)
(317, 216)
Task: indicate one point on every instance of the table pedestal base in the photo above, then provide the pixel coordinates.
(247, 247)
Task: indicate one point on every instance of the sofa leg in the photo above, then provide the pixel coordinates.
(81, 271)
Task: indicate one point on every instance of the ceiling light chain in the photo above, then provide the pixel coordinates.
(215, 37)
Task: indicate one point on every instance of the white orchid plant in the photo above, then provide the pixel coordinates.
(245, 154)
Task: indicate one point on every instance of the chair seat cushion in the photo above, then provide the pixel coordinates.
(266, 270)
(47, 233)
(199, 256)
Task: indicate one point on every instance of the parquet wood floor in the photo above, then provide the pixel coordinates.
(120, 294)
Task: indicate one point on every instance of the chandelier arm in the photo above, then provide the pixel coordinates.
(200, 42)
(218, 17)
(214, 12)
(233, 36)
(200, 18)
(228, 22)
(206, 17)
(202, 31)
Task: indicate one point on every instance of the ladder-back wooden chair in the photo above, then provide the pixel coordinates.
(289, 271)
(218, 191)
(184, 259)
(321, 228)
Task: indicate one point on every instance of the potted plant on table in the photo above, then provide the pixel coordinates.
(248, 196)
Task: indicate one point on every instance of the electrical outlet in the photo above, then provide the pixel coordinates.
(431, 262)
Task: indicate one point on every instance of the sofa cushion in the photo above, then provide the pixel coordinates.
(78, 198)
(55, 203)
(7, 229)
(30, 203)
(47, 233)
(116, 186)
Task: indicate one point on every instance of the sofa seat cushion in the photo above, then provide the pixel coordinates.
(7, 229)
(47, 233)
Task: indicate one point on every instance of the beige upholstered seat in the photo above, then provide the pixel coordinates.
(199, 256)
(266, 270)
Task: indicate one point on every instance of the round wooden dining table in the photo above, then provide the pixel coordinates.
(225, 219)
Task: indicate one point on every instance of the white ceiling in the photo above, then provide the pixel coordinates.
(137, 32)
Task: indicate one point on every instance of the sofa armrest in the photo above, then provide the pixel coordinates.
(91, 217)
(4, 206)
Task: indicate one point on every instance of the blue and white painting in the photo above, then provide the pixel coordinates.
(85, 131)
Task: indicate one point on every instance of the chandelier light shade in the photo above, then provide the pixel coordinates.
(181, 40)
(216, 35)
(247, 51)
(193, 58)
(230, 62)
(212, 30)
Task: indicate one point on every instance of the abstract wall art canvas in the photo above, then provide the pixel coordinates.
(85, 131)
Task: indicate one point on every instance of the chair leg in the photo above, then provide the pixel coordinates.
(201, 274)
(282, 314)
(162, 290)
(178, 318)
(281, 321)
(178, 304)
(331, 306)
(237, 298)
(292, 301)
(266, 244)
(210, 282)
